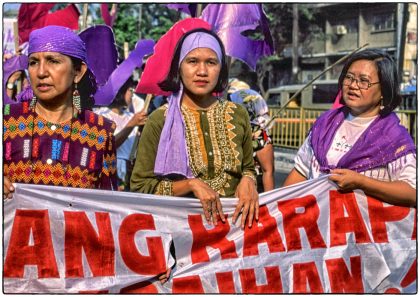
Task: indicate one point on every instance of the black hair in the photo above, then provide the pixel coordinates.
(387, 73)
(251, 78)
(84, 86)
(119, 99)
(172, 81)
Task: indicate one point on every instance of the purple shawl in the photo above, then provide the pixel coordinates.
(384, 141)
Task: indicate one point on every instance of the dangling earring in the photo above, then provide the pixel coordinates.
(76, 99)
(33, 102)
(381, 107)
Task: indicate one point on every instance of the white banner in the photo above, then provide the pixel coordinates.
(309, 239)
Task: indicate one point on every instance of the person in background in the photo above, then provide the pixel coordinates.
(127, 124)
(362, 143)
(199, 145)
(53, 140)
(240, 92)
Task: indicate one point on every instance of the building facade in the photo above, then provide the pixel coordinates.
(388, 26)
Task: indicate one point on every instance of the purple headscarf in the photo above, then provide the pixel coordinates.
(384, 141)
(64, 41)
(172, 156)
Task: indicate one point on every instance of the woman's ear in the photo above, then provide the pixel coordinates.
(80, 72)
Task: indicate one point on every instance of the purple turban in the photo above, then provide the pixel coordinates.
(64, 41)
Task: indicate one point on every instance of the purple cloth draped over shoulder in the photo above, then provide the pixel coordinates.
(384, 141)
(172, 156)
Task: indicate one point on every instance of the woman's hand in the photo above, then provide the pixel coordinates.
(346, 179)
(8, 188)
(138, 119)
(209, 200)
(163, 278)
(248, 201)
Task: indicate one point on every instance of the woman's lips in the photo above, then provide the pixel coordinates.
(43, 87)
(200, 82)
(352, 95)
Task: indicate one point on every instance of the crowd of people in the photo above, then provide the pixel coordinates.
(208, 139)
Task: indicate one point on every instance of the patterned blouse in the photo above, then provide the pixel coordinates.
(219, 149)
(78, 153)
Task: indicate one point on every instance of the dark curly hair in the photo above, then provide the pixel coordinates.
(387, 73)
(172, 82)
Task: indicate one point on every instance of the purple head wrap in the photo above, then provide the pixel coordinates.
(61, 40)
(172, 156)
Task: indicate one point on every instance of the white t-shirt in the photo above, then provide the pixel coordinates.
(402, 169)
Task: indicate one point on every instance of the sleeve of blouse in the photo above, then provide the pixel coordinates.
(108, 177)
(303, 158)
(248, 167)
(143, 178)
(404, 169)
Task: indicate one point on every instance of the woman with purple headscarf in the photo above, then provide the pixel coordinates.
(54, 139)
(362, 143)
(199, 145)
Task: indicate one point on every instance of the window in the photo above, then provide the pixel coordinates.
(383, 22)
(352, 25)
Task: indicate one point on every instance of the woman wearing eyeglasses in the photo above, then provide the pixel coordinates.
(362, 143)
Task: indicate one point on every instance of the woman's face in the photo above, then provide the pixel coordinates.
(200, 71)
(52, 76)
(362, 102)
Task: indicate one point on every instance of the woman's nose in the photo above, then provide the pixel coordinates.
(354, 84)
(202, 69)
(42, 70)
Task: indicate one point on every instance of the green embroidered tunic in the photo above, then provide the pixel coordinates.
(219, 146)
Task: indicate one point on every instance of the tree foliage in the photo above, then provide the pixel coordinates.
(156, 19)
(280, 16)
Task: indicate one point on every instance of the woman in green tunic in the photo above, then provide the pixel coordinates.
(199, 145)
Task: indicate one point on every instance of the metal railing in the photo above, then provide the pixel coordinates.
(291, 128)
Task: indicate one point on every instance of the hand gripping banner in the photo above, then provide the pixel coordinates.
(310, 238)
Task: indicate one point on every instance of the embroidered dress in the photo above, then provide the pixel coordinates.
(219, 149)
(78, 153)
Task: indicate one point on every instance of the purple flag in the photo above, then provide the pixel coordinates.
(190, 9)
(17, 63)
(231, 21)
(102, 54)
(106, 93)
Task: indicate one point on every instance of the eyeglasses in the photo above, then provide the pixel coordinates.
(362, 83)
